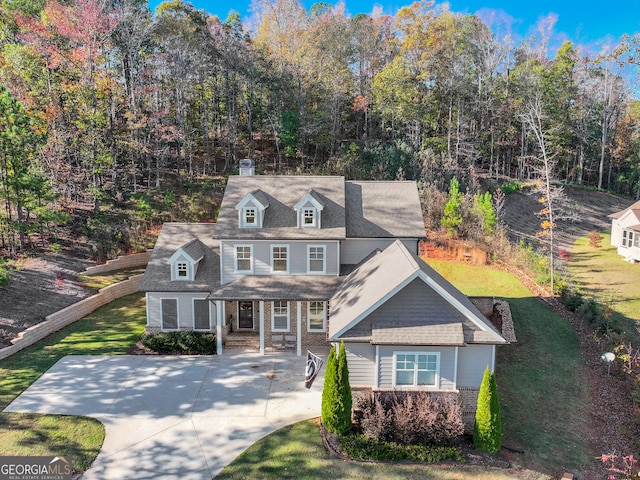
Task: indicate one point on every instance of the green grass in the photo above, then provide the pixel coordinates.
(606, 276)
(99, 281)
(297, 452)
(541, 379)
(108, 331)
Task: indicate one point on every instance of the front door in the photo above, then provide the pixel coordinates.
(245, 315)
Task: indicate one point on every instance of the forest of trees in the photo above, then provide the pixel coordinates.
(103, 99)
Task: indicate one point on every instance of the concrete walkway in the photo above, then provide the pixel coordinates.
(175, 417)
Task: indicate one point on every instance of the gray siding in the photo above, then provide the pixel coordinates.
(361, 358)
(447, 364)
(416, 301)
(472, 361)
(354, 250)
(185, 309)
(262, 257)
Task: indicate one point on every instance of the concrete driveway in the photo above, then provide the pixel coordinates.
(175, 417)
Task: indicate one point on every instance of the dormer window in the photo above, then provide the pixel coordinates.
(250, 217)
(308, 210)
(182, 269)
(251, 210)
(184, 262)
(309, 217)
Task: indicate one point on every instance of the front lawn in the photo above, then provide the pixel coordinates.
(108, 331)
(297, 452)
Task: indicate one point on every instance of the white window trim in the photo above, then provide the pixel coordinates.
(273, 327)
(416, 387)
(193, 315)
(628, 238)
(256, 221)
(175, 271)
(280, 272)
(314, 217)
(235, 258)
(324, 317)
(324, 260)
(177, 315)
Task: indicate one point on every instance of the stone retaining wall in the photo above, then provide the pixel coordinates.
(120, 263)
(70, 314)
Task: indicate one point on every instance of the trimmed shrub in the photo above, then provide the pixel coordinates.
(417, 417)
(181, 343)
(336, 394)
(363, 447)
(487, 432)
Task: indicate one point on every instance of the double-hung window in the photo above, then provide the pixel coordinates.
(182, 270)
(249, 216)
(413, 369)
(316, 255)
(627, 238)
(201, 314)
(243, 258)
(280, 316)
(316, 319)
(309, 217)
(169, 313)
(279, 258)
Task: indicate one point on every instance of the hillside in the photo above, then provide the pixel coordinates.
(589, 208)
(46, 284)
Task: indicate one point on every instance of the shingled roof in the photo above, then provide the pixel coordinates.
(635, 208)
(430, 307)
(197, 239)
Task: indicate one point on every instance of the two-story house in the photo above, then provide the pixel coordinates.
(305, 261)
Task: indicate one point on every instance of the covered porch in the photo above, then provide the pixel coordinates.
(273, 314)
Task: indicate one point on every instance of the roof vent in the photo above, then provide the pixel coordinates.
(246, 167)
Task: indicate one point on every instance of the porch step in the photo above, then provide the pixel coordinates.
(242, 341)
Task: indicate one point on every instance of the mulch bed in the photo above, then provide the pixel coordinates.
(471, 455)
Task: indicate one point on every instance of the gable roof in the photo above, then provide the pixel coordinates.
(193, 249)
(257, 197)
(282, 193)
(635, 209)
(383, 210)
(194, 239)
(385, 275)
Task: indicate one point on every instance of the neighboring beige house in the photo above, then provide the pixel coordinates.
(297, 261)
(625, 232)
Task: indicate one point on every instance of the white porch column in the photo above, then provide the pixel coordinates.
(299, 328)
(219, 321)
(261, 327)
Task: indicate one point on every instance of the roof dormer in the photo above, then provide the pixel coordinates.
(309, 211)
(184, 262)
(251, 209)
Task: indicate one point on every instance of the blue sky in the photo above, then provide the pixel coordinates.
(582, 22)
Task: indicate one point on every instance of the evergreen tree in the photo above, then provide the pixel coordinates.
(483, 205)
(487, 432)
(452, 217)
(336, 395)
(344, 391)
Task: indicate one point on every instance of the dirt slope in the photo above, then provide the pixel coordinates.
(589, 208)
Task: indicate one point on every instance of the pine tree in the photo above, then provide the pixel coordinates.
(487, 432)
(452, 217)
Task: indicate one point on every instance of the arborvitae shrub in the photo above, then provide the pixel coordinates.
(487, 432)
(336, 395)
